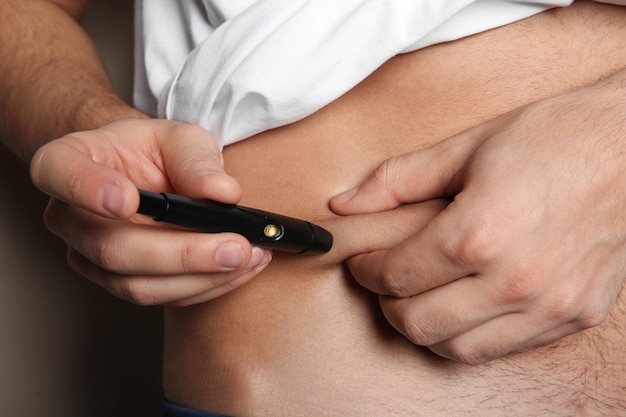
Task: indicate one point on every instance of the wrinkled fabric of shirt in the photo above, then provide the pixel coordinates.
(240, 67)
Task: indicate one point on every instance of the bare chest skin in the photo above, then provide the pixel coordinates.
(303, 338)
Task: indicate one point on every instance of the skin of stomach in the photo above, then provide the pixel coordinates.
(303, 338)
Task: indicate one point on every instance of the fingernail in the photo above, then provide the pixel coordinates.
(112, 199)
(259, 257)
(230, 255)
(345, 197)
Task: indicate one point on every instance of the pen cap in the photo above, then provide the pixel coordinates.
(321, 240)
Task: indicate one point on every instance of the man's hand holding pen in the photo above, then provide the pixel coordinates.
(97, 188)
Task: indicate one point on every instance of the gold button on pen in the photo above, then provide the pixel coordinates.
(272, 231)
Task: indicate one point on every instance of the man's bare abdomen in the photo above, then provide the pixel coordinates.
(303, 338)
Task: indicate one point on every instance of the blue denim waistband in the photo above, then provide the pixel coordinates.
(172, 410)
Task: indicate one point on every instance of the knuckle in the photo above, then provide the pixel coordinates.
(383, 172)
(565, 306)
(74, 185)
(109, 254)
(389, 175)
(475, 245)
(393, 283)
(75, 261)
(380, 178)
(591, 318)
(523, 285)
(419, 327)
(186, 131)
(469, 355)
(573, 307)
(135, 290)
(187, 258)
(51, 217)
(418, 332)
(36, 166)
(200, 162)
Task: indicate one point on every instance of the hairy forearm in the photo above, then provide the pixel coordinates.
(53, 80)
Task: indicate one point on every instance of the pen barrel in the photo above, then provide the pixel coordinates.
(259, 227)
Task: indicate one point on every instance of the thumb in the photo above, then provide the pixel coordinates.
(65, 170)
(418, 176)
(194, 164)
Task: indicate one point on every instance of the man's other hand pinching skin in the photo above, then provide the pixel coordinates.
(93, 176)
(532, 247)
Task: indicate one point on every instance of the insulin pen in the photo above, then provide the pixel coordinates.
(259, 227)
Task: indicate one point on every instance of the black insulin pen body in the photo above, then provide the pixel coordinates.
(259, 227)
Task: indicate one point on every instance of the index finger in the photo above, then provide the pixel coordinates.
(428, 259)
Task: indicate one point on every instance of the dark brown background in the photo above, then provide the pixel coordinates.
(68, 348)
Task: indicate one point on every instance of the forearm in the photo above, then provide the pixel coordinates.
(53, 80)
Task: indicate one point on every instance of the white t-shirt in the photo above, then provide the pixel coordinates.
(239, 67)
